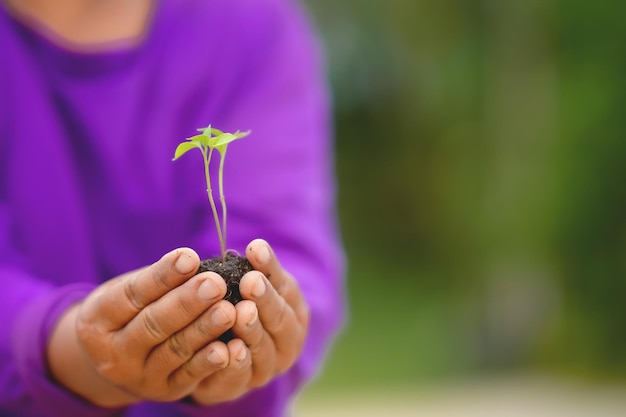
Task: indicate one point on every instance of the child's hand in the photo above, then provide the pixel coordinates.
(271, 327)
(145, 334)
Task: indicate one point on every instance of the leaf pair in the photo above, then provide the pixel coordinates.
(210, 138)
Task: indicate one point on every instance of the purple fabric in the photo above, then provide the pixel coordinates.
(88, 189)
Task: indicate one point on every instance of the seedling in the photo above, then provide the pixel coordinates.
(208, 141)
(231, 267)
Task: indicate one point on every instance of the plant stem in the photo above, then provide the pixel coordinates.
(222, 198)
(207, 161)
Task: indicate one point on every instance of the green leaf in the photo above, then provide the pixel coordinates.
(216, 132)
(242, 134)
(184, 147)
(226, 138)
(202, 139)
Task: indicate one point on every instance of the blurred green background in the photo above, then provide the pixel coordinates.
(481, 157)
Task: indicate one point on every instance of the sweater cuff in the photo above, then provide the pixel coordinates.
(30, 340)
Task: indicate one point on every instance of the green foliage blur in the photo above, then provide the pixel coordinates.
(481, 157)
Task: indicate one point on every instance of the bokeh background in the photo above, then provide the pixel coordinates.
(481, 158)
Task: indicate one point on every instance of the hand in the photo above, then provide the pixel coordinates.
(147, 334)
(271, 326)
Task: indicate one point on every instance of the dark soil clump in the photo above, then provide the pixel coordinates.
(231, 269)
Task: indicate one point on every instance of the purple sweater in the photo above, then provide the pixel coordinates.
(88, 189)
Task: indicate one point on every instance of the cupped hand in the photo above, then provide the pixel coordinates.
(271, 326)
(148, 334)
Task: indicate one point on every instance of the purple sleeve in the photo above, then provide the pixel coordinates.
(29, 308)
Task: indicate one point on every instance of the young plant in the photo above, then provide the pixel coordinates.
(230, 267)
(207, 142)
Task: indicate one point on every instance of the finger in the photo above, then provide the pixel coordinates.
(249, 329)
(231, 382)
(205, 362)
(263, 259)
(182, 345)
(174, 311)
(277, 317)
(127, 297)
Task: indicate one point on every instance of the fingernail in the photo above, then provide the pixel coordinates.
(263, 254)
(219, 318)
(184, 264)
(259, 288)
(206, 290)
(241, 355)
(215, 358)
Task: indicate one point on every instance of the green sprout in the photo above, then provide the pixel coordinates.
(209, 140)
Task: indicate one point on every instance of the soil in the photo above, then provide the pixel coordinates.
(232, 269)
